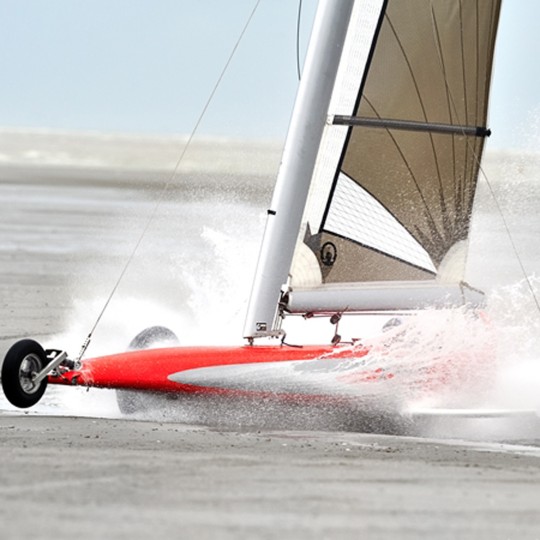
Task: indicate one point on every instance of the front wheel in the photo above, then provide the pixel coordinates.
(22, 362)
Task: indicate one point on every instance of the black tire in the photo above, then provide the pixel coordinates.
(153, 336)
(24, 358)
(133, 401)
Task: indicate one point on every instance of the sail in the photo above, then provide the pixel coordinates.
(384, 220)
(392, 193)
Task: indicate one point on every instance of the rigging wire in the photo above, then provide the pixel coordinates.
(510, 236)
(298, 22)
(165, 187)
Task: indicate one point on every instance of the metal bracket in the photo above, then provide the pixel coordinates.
(58, 357)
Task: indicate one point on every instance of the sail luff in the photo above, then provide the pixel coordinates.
(299, 156)
(354, 108)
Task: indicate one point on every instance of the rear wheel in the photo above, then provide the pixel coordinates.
(22, 362)
(133, 401)
(153, 336)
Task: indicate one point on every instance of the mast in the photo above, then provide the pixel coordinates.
(298, 162)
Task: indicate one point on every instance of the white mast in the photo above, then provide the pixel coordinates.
(299, 155)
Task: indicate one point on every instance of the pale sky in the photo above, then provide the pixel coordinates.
(147, 66)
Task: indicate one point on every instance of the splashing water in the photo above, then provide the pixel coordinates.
(218, 300)
(435, 357)
(517, 324)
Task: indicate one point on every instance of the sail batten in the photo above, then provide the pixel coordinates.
(409, 125)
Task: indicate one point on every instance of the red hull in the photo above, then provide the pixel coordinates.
(151, 369)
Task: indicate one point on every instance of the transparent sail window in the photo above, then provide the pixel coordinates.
(356, 215)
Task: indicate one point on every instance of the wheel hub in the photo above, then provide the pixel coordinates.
(30, 365)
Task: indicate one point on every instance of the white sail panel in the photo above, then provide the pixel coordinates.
(357, 216)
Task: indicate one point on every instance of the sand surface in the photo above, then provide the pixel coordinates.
(89, 478)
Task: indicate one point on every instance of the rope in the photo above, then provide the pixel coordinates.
(168, 182)
(510, 237)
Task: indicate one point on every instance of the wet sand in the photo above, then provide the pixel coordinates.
(64, 477)
(90, 478)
